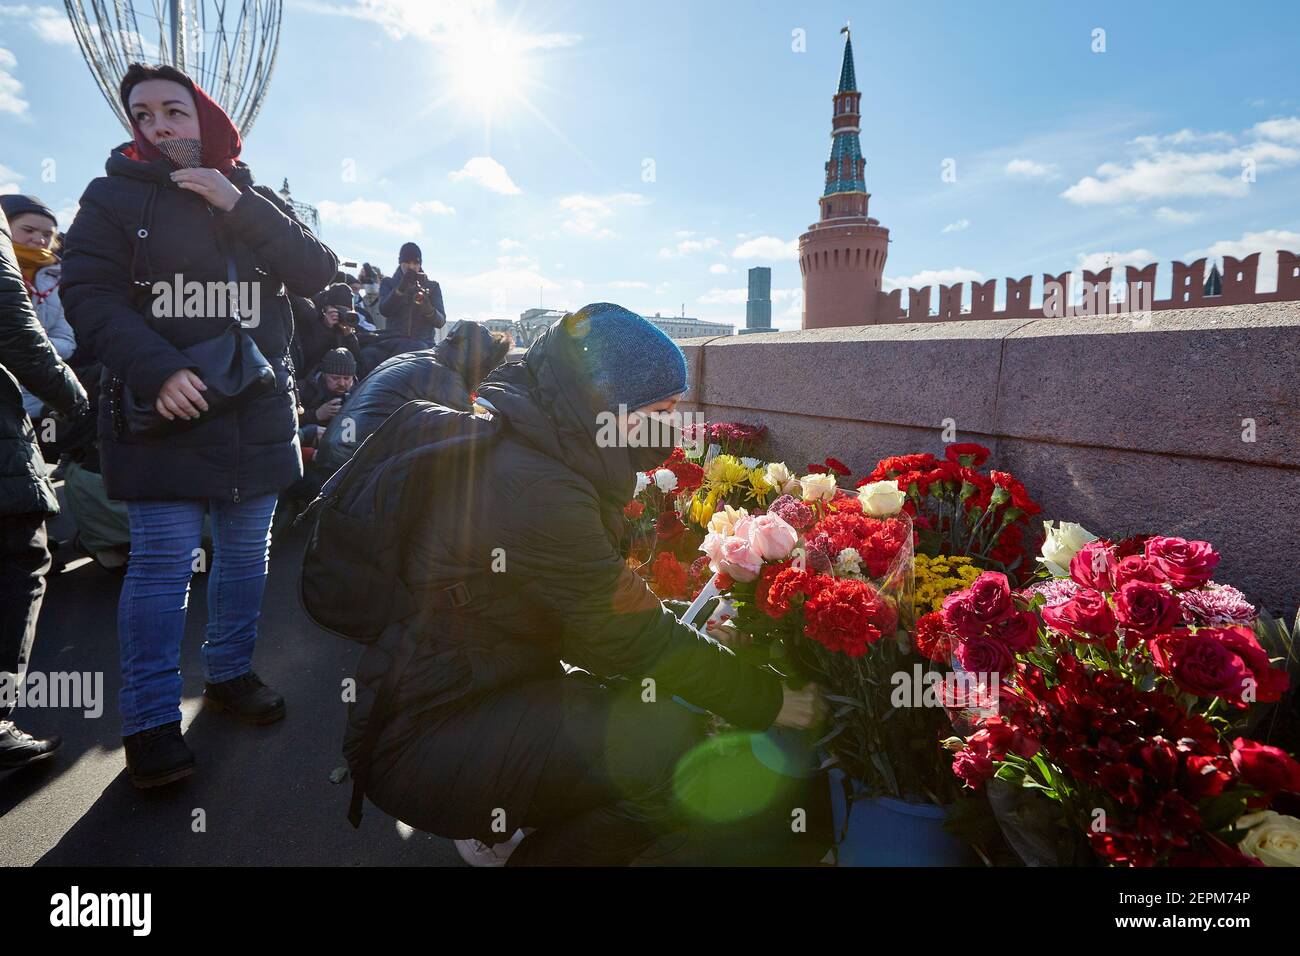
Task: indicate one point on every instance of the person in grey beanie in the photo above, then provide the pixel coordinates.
(321, 396)
(537, 720)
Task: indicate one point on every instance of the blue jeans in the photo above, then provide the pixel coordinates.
(165, 537)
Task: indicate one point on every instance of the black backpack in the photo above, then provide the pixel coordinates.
(360, 526)
(360, 519)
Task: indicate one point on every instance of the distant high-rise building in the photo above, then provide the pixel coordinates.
(758, 310)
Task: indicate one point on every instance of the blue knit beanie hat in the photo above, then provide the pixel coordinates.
(630, 360)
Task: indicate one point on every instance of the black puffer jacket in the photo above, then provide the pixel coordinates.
(250, 451)
(545, 502)
(27, 358)
(444, 374)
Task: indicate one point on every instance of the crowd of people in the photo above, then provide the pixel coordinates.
(169, 430)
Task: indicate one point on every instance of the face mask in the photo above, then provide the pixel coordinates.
(183, 153)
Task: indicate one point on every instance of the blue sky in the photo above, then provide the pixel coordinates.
(649, 153)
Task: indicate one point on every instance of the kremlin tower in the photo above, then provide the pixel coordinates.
(842, 255)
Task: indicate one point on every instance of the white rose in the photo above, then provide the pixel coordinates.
(818, 487)
(1061, 545)
(642, 483)
(880, 499)
(1273, 838)
(724, 522)
(665, 480)
(777, 474)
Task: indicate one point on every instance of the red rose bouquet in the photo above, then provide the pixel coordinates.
(1124, 709)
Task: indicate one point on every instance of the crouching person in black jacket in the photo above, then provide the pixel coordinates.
(26, 496)
(177, 208)
(485, 732)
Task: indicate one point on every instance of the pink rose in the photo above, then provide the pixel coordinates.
(1091, 565)
(984, 655)
(738, 560)
(1018, 631)
(990, 597)
(769, 535)
(712, 547)
(959, 615)
(1185, 564)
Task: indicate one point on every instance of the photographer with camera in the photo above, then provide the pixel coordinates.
(410, 301)
(321, 396)
(330, 323)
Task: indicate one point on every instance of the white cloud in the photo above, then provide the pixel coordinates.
(686, 246)
(505, 245)
(511, 286)
(1184, 137)
(1266, 243)
(1286, 129)
(931, 277)
(1029, 169)
(719, 269)
(1176, 216)
(1165, 171)
(1096, 261)
(724, 297)
(587, 215)
(766, 247)
(957, 226)
(51, 25)
(488, 173)
(368, 214)
(432, 207)
(11, 98)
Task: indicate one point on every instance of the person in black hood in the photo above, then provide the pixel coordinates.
(178, 208)
(447, 374)
(546, 701)
(409, 300)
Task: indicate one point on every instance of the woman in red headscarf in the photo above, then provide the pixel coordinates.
(147, 276)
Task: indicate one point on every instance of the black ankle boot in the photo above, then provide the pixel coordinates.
(247, 698)
(158, 756)
(18, 748)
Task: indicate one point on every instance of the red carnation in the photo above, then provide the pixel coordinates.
(977, 454)
(669, 527)
(837, 466)
(933, 639)
(669, 576)
(1019, 496)
(633, 509)
(848, 616)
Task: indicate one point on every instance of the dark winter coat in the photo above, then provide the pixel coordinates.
(546, 501)
(444, 374)
(28, 359)
(403, 316)
(313, 338)
(136, 223)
